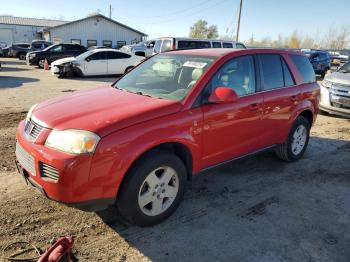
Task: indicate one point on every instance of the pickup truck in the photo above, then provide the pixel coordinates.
(138, 142)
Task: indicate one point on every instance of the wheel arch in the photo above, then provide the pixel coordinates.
(177, 148)
(307, 113)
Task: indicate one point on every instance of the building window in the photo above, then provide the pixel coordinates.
(107, 43)
(120, 44)
(91, 43)
(75, 41)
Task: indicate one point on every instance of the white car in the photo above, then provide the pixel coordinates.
(96, 62)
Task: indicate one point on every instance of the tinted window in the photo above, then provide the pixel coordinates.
(157, 46)
(237, 74)
(271, 71)
(56, 49)
(184, 44)
(166, 45)
(216, 45)
(288, 79)
(304, 67)
(117, 55)
(38, 45)
(98, 56)
(227, 45)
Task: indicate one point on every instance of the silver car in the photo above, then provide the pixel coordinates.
(335, 92)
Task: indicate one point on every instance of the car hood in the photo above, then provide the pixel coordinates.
(102, 110)
(340, 78)
(63, 61)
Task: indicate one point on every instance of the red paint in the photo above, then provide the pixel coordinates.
(130, 124)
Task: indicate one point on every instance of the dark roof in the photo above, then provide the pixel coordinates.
(13, 20)
(101, 16)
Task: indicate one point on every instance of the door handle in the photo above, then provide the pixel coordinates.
(294, 98)
(254, 107)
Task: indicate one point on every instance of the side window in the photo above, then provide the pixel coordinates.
(117, 55)
(288, 79)
(216, 44)
(239, 45)
(227, 45)
(56, 49)
(97, 56)
(304, 67)
(238, 74)
(166, 45)
(271, 71)
(157, 46)
(188, 44)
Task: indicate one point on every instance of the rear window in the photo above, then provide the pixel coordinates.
(304, 67)
(272, 72)
(185, 44)
(166, 45)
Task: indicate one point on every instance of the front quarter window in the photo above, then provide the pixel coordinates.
(166, 76)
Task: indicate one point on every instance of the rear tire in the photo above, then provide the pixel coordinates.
(152, 189)
(128, 69)
(22, 56)
(295, 145)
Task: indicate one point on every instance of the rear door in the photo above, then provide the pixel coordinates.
(96, 64)
(118, 62)
(281, 96)
(233, 129)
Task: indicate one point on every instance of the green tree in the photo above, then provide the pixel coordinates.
(201, 30)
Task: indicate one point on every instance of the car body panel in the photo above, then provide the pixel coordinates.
(131, 124)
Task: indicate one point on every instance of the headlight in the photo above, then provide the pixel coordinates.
(73, 141)
(30, 112)
(327, 84)
(32, 55)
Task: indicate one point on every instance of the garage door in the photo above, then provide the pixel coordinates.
(6, 35)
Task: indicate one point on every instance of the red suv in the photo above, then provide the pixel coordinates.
(136, 143)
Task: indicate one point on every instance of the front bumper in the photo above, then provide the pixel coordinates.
(72, 187)
(334, 103)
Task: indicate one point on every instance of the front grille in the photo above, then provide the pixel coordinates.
(48, 172)
(25, 159)
(32, 129)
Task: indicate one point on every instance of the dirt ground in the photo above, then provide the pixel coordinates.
(258, 209)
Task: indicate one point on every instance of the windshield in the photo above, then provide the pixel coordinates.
(85, 54)
(345, 68)
(47, 48)
(166, 76)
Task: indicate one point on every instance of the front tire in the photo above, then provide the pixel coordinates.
(41, 63)
(153, 188)
(295, 145)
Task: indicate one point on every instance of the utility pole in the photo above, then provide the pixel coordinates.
(239, 20)
(110, 11)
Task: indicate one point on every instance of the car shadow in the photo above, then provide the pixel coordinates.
(13, 69)
(12, 81)
(256, 209)
(7, 62)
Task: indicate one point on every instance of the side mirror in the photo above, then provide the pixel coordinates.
(221, 95)
(87, 59)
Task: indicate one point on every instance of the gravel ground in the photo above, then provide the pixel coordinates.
(258, 209)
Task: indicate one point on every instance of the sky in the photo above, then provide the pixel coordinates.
(260, 18)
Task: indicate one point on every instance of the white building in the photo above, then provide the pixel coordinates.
(22, 29)
(96, 30)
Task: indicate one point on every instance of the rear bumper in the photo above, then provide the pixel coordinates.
(73, 186)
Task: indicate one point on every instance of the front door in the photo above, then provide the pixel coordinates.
(96, 64)
(234, 129)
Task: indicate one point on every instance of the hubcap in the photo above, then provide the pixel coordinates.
(41, 63)
(299, 139)
(158, 191)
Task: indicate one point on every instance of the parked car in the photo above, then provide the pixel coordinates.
(138, 141)
(335, 92)
(338, 58)
(17, 48)
(36, 45)
(4, 51)
(96, 62)
(53, 53)
(165, 44)
(141, 49)
(320, 60)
